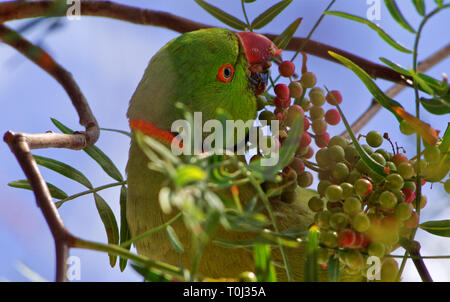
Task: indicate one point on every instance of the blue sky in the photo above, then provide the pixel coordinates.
(107, 59)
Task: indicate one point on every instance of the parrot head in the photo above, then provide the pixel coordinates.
(205, 70)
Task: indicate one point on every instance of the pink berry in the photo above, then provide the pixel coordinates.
(323, 137)
(346, 238)
(305, 140)
(279, 116)
(306, 123)
(359, 241)
(409, 195)
(399, 158)
(282, 91)
(286, 69)
(337, 97)
(332, 117)
(298, 165)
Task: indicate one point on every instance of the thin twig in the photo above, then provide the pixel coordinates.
(14, 10)
(413, 248)
(428, 63)
(22, 143)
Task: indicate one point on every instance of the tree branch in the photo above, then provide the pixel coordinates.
(22, 143)
(428, 63)
(14, 10)
(413, 248)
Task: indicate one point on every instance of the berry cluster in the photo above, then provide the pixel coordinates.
(290, 102)
(360, 213)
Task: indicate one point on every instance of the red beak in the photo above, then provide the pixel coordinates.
(258, 48)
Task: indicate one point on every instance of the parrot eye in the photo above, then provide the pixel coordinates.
(225, 73)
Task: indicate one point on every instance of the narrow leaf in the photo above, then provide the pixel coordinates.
(420, 6)
(395, 66)
(63, 169)
(445, 145)
(428, 133)
(282, 41)
(266, 17)
(117, 131)
(56, 192)
(438, 228)
(373, 26)
(286, 153)
(110, 224)
(151, 275)
(368, 160)
(333, 269)
(222, 16)
(311, 271)
(125, 234)
(264, 268)
(173, 239)
(438, 105)
(440, 3)
(95, 153)
(397, 15)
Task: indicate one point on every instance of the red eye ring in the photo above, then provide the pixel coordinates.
(226, 73)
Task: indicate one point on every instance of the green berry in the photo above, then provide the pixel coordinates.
(267, 116)
(399, 194)
(392, 167)
(308, 80)
(406, 170)
(403, 211)
(410, 185)
(394, 181)
(334, 193)
(432, 154)
(322, 255)
(363, 187)
(319, 126)
(367, 148)
(304, 103)
(323, 219)
(361, 222)
(389, 270)
(352, 206)
(295, 89)
(347, 189)
(317, 97)
(374, 139)
(385, 154)
(336, 153)
(305, 179)
(338, 220)
(351, 155)
(261, 102)
(353, 176)
(388, 200)
(340, 171)
(339, 141)
(328, 239)
(247, 277)
(316, 204)
(316, 112)
(406, 129)
(354, 259)
(377, 249)
(378, 158)
(322, 186)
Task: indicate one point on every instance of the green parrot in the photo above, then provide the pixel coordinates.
(205, 70)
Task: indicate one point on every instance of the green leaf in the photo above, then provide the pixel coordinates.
(117, 131)
(222, 16)
(311, 271)
(282, 41)
(286, 153)
(54, 191)
(439, 105)
(445, 145)
(95, 153)
(264, 268)
(110, 224)
(267, 16)
(125, 234)
(368, 160)
(373, 26)
(173, 239)
(333, 269)
(150, 274)
(63, 169)
(440, 3)
(397, 15)
(438, 228)
(395, 66)
(420, 6)
(249, 1)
